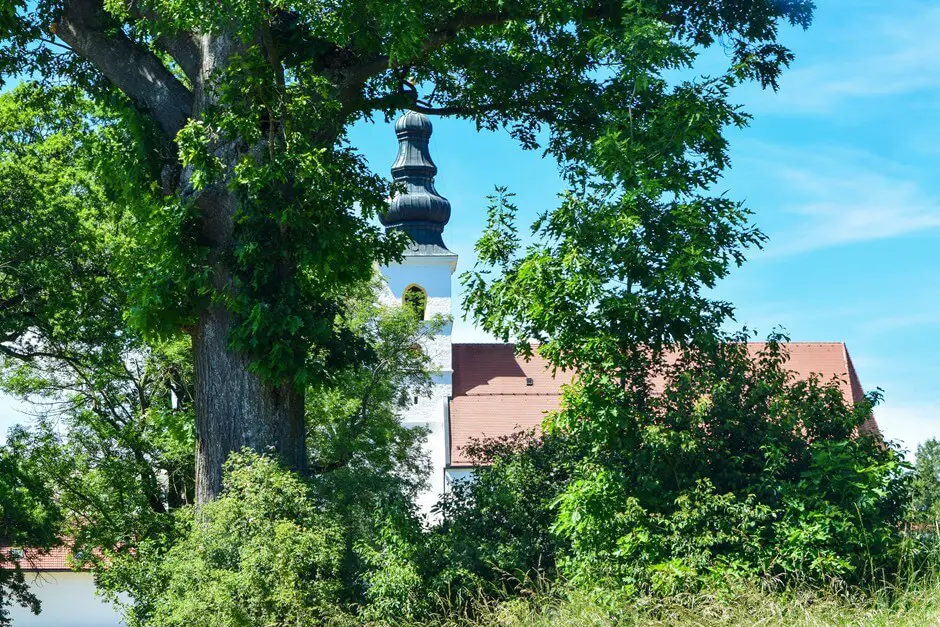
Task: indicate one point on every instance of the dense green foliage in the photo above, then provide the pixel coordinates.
(365, 470)
(265, 122)
(736, 474)
(106, 429)
(732, 469)
(267, 551)
(28, 519)
(297, 201)
(227, 126)
(194, 159)
(113, 435)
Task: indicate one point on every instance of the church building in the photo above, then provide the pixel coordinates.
(485, 390)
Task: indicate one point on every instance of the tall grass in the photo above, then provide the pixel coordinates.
(911, 598)
(916, 606)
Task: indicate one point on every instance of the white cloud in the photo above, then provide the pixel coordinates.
(871, 55)
(832, 197)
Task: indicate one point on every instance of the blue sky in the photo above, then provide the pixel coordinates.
(839, 167)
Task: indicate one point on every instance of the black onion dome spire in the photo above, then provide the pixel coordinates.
(417, 208)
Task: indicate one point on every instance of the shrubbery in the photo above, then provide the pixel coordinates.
(265, 552)
(926, 483)
(732, 469)
(733, 472)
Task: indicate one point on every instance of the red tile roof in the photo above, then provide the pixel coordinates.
(491, 398)
(55, 559)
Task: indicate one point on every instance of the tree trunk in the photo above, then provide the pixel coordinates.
(235, 409)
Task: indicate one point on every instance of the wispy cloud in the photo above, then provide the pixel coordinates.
(873, 55)
(891, 323)
(832, 197)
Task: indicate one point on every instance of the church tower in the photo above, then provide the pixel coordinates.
(423, 276)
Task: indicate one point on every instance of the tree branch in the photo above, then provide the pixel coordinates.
(184, 51)
(436, 39)
(459, 22)
(407, 100)
(181, 46)
(134, 70)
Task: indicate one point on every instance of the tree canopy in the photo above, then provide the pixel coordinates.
(227, 144)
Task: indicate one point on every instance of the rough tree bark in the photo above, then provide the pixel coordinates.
(234, 409)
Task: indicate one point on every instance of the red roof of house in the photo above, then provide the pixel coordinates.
(492, 399)
(55, 559)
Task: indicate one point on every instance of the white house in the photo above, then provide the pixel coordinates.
(68, 597)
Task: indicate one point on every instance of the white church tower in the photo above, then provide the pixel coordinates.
(425, 272)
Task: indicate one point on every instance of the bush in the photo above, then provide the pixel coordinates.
(730, 473)
(927, 483)
(497, 528)
(731, 468)
(275, 549)
(266, 552)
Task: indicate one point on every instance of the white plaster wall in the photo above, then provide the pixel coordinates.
(433, 274)
(68, 600)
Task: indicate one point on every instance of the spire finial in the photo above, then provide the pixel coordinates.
(416, 208)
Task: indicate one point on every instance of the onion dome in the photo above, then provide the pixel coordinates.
(416, 207)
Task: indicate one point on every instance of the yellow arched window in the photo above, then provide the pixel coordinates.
(416, 299)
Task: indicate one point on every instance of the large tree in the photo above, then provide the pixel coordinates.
(254, 211)
(110, 444)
